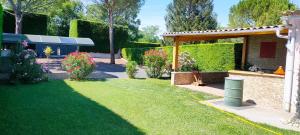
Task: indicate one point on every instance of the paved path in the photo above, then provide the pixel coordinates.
(103, 69)
(256, 113)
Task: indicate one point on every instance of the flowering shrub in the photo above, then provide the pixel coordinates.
(131, 69)
(26, 69)
(186, 62)
(79, 65)
(48, 51)
(155, 61)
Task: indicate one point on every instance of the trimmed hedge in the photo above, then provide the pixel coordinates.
(1, 25)
(32, 23)
(141, 45)
(99, 33)
(209, 57)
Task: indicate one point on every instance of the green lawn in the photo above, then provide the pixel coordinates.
(117, 106)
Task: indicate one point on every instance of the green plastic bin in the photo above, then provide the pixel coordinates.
(233, 91)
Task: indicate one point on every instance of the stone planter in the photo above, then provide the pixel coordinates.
(187, 78)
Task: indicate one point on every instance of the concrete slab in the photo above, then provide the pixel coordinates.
(277, 118)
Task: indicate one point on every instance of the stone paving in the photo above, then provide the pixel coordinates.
(275, 117)
(103, 69)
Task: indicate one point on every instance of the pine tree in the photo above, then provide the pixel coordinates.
(251, 13)
(190, 15)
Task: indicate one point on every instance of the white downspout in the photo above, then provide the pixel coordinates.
(295, 86)
(290, 56)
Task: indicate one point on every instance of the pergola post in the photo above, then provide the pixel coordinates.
(244, 52)
(175, 54)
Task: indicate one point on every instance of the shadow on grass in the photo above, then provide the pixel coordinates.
(55, 108)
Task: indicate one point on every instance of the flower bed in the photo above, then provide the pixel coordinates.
(79, 65)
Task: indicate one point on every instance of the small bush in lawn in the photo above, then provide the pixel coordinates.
(155, 61)
(131, 69)
(186, 62)
(79, 65)
(168, 68)
(26, 69)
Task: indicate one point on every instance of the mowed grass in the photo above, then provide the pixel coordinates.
(117, 107)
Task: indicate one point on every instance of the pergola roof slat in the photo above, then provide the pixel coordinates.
(224, 33)
(48, 40)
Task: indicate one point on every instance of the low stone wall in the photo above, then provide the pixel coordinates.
(265, 90)
(186, 78)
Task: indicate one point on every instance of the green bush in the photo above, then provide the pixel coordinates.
(141, 45)
(209, 57)
(79, 65)
(99, 33)
(131, 69)
(155, 62)
(186, 62)
(25, 68)
(1, 25)
(32, 23)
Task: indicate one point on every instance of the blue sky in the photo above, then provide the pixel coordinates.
(154, 11)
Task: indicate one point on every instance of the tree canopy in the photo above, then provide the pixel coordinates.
(149, 34)
(189, 15)
(61, 17)
(250, 13)
(19, 7)
(124, 13)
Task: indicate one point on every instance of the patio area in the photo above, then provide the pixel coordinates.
(103, 69)
(257, 113)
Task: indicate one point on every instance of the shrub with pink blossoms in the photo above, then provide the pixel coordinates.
(79, 65)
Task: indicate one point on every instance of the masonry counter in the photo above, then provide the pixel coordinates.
(264, 89)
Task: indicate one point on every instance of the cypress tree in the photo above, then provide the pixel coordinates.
(190, 15)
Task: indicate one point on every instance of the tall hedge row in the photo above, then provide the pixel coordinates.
(1, 25)
(31, 24)
(209, 57)
(140, 45)
(99, 33)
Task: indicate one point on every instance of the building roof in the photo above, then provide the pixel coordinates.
(224, 33)
(47, 40)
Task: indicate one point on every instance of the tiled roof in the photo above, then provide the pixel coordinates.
(226, 31)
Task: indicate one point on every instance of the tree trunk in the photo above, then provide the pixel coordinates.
(18, 23)
(111, 36)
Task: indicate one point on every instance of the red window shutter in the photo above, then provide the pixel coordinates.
(267, 49)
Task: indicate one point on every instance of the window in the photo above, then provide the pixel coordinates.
(267, 49)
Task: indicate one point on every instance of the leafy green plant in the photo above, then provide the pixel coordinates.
(26, 70)
(79, 65)
(155, 61)
(186, 62)
(131, 69)
(48, 51)
(209, 57)
(168, 68)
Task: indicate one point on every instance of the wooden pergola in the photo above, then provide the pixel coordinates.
(179, 37)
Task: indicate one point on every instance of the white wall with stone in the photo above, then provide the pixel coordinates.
(253, 55)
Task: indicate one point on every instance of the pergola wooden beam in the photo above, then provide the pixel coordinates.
(244, 52)
(223, 34)
(175, 54)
